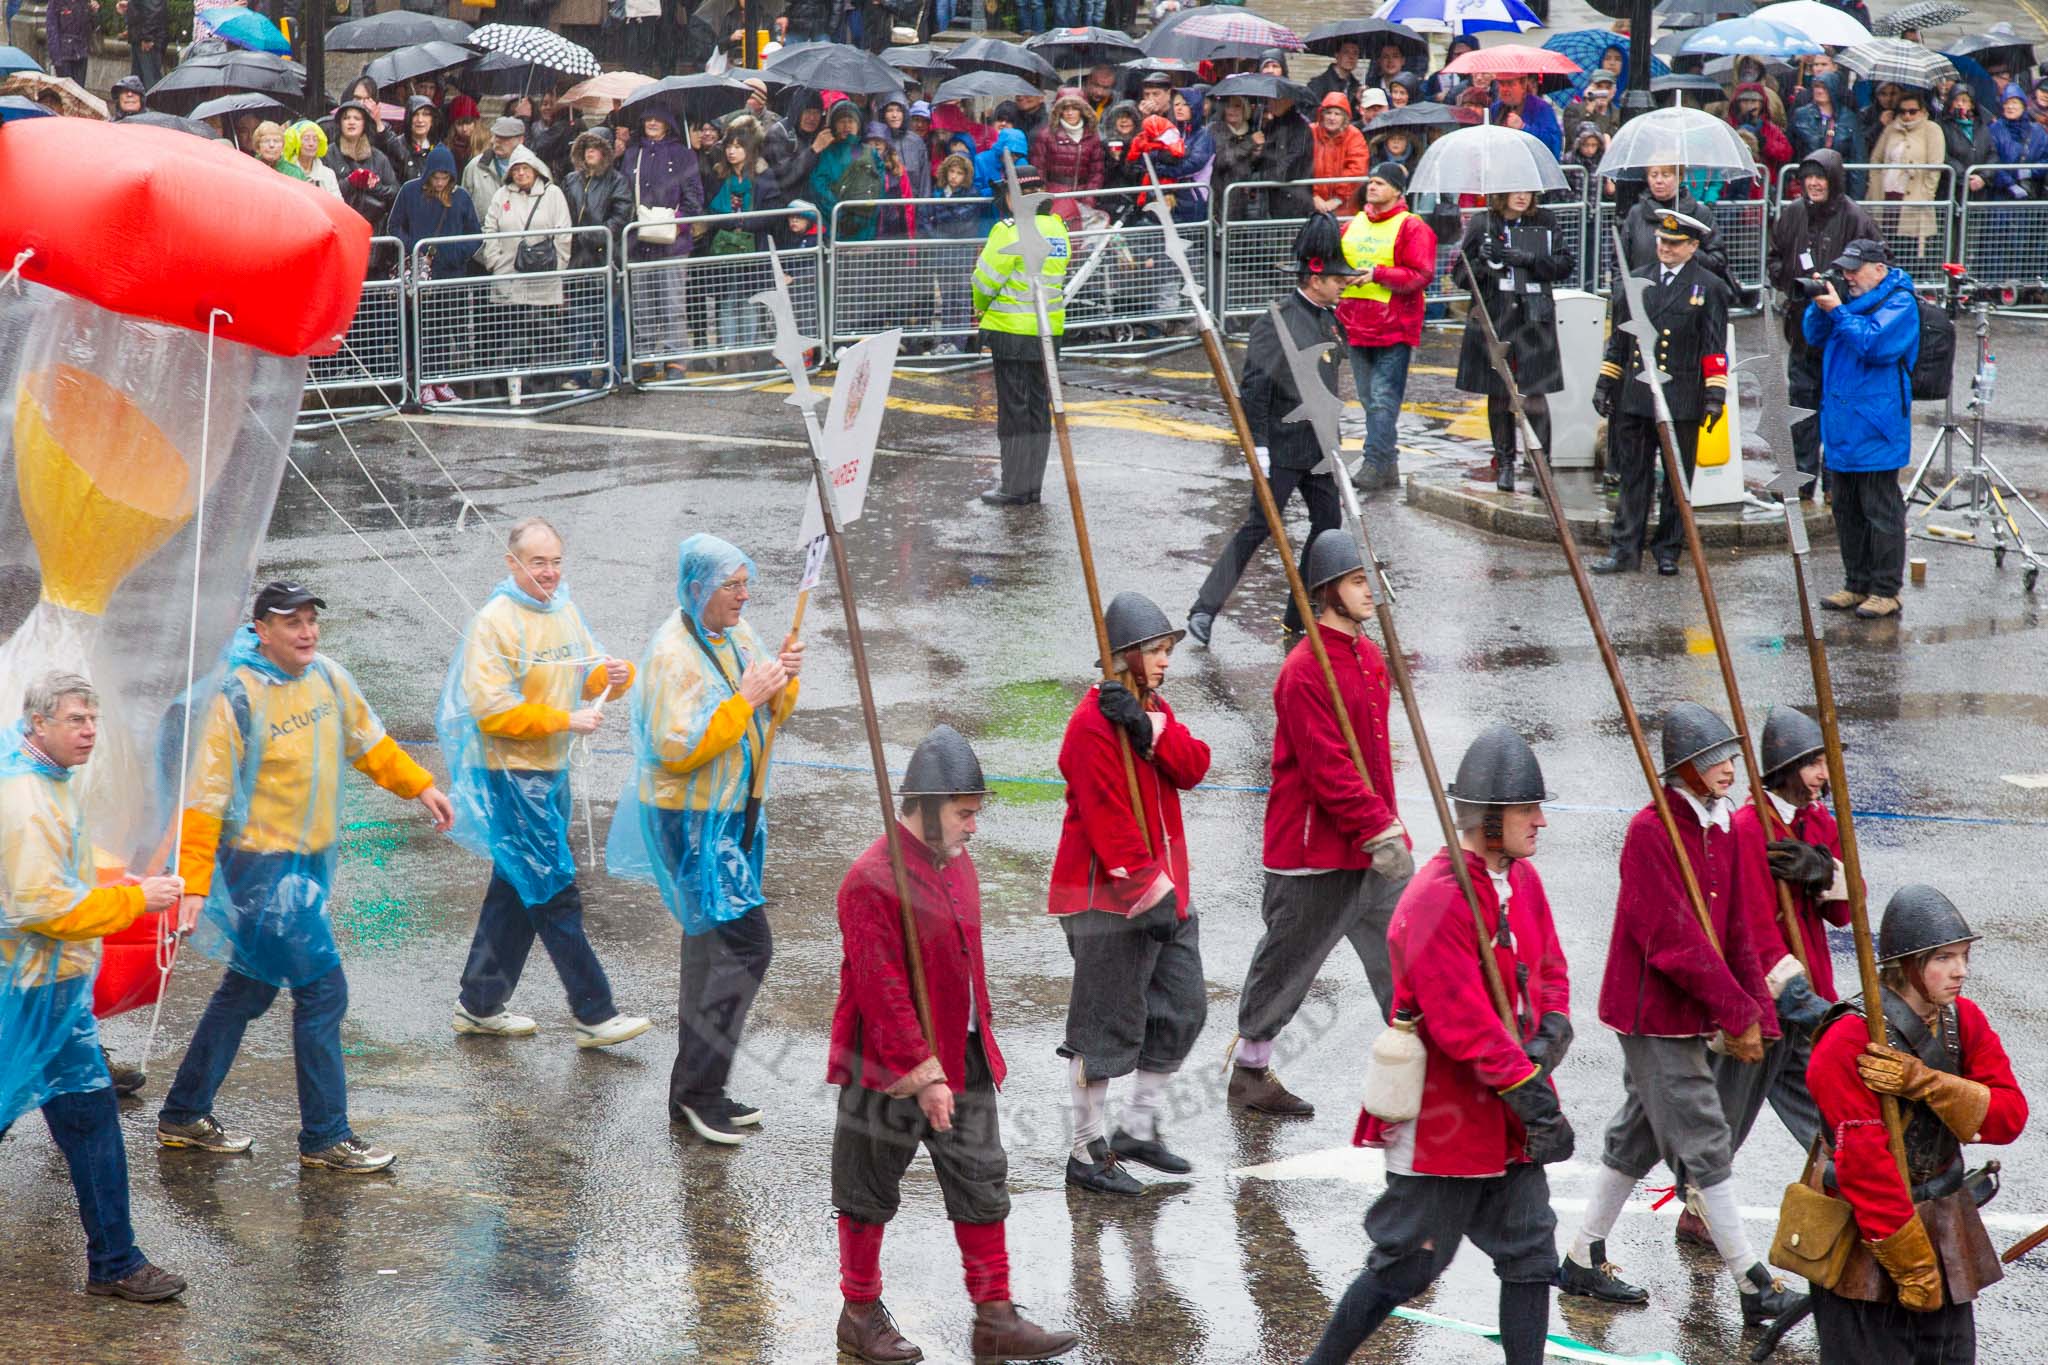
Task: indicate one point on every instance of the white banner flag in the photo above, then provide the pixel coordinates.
(853, 423)
(814, 561)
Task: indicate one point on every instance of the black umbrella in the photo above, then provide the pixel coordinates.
(1254, 86)
(836, 66)
(695, 99)
(230, 105)
(1423, 115)
(501, 74)
(394, 29)
(993, 54)
(1988, 47)
(923, 59)
(1688, 81)
(1132, 74)
(198, 79)
(1370, 34)
(1075, 49)
(421, 59)
(984, 85)
(152, 119)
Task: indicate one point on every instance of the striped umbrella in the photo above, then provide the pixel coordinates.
(1228, 24)
(1896, 60)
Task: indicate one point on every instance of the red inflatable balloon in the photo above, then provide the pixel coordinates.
(128, 977)
(158, 224)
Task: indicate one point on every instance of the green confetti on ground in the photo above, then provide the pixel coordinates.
(1036, 709)
(381, 923)
(1027, 793)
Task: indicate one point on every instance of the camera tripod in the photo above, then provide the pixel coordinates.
(1980, 491)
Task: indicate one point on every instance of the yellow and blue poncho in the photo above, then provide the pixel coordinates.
(681, 820)
(263, 810)
(504, 730)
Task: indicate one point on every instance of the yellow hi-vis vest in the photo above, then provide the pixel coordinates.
(1002, 291)
(1370, 243)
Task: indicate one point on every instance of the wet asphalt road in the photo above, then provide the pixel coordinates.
(543, 1208)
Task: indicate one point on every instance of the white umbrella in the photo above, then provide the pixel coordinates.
(1822, 23)
(1691, 138)
(1486, 159)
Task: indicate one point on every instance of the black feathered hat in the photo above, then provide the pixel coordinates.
(1319, 249)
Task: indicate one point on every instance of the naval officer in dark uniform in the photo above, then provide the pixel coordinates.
(1689, 306)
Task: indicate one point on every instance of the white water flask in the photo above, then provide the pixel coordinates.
(1394, 1071)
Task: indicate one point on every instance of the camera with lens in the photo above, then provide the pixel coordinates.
(1813, 288)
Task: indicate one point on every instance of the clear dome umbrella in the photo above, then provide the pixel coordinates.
(1487, 159)
(1691, 138)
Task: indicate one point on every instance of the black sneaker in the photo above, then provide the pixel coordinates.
(711, 1123)
(1150, 1151)
(740, 1115)
(1600, 1280)
(1769, 1299)
(127, 1079)
(1102, 1173)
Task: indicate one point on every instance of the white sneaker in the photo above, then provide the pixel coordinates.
(617, 1029)
(499, 1025)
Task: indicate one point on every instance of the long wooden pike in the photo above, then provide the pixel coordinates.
(1787, 485)
(1322, 410)
(1035, 251)
(1539, 464)
(790, 348)
(1644, 331)
(1262, 487)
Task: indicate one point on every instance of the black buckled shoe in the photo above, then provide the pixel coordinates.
(1600, 1280)
(1770, 1299)
(1148, 1152)
(1615, 563)
(1667, 566)
(1102, 1173)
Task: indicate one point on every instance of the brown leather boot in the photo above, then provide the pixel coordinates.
(868, 1334)
(1259, 1088)
(1001, 1335)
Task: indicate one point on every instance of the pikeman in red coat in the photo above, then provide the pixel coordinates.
(1468, 1164)
(897, 1092)
(1336, 856)
(1668, 991)
(1906, 1295)
(1120, 892)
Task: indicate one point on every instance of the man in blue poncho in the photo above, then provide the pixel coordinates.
(257, 844)
(53, 913)
(690, 819)
(528, 679)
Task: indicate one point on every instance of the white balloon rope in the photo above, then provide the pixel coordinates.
(390, 507)
(13, 275)
(398, 411)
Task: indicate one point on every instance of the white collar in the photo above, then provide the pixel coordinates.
(1716, 815)
(1786, 810)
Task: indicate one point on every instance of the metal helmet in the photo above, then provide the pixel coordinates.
(1332, 553)
(1695, 735)
(1498, 769)
(1918, 919)
(1789, 737)
(943, 764)
(1134, 619)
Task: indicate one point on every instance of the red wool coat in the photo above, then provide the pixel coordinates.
(1664, 980)
(1864, 1170)
(1464, 1128)
(1102, 862)
(1811, 824)
(1317, 811)
(876, 1041)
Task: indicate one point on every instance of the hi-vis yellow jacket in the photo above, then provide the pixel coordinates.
(1002, 290)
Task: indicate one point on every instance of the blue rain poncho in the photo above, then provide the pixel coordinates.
(51, 922)
(263, 810)
(681, 820)
(504, 729)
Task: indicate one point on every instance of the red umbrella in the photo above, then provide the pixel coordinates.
(1513, 59)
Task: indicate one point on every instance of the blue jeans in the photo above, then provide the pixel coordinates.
(505, 930)
(317, 1009)
(1380, 376)
(739, 324)
(1031, 16)
(87, 1129)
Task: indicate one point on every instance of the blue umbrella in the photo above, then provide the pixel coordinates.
(1750, 36)
(13, 59)
(1585, 46)
(13, 107)
(1460, 16)
(245, 28)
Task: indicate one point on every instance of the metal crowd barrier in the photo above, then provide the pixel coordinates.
(1133, 291)
(1742, 235)
(1920, 232)
(921, 284)
(691, 320)
(367, 376)
(2003, 241)
(515, 342)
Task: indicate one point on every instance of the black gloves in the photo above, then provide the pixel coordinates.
(1120, 708)
(1546, 1136)
(1553, 1039)
(1804, 865)
(1603, 396)
(1800, 1011)
(1713, 405)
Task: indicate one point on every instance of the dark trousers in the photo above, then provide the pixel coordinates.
(87, 1129)
(1500, 423)
(1638, 457)
(505, 930)
(149, 66)
(1802, 390)
(1317, 490)
(317, 1010)
(722, 973)
(1886, 1334)
(1870, 524)
(1780, 1079)
(1137, 1003)
(875, 1137)
(1306, 918)
(1023, 409)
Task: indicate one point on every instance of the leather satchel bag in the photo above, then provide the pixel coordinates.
(657, 221)
(1816, 1231)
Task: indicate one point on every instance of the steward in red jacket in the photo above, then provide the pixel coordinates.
(1922, 1256)
(1395, 252)
(1669, 989)
(897, 1090)
(1121, 894)
(1469, 1163)
(1336, 855)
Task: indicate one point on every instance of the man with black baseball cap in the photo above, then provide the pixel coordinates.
(1868, 344)
(257, 844)
(1394, 253)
